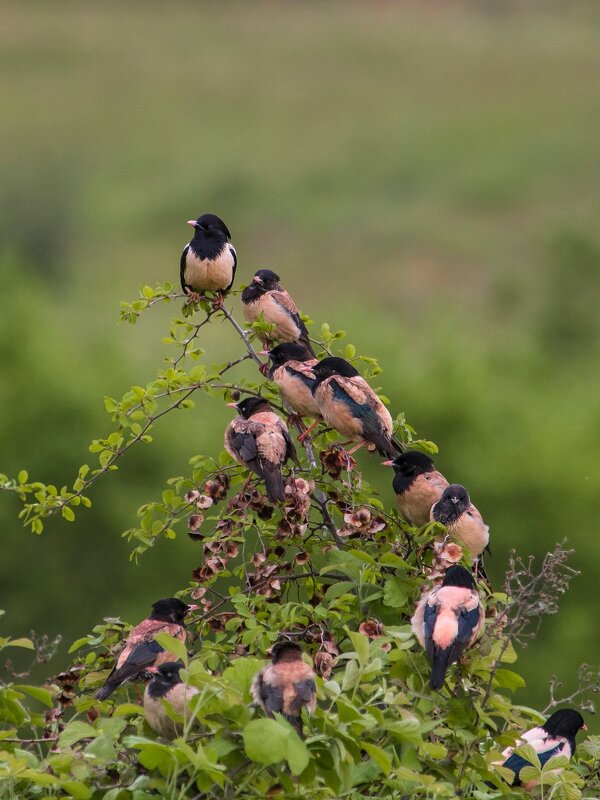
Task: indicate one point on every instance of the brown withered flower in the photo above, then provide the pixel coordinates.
(198, 593)
(335, 459)
(361, 522)
(195, 521)
(324, 663)
(302, 557)
(287, 529)
(371, 628)
(217, 487)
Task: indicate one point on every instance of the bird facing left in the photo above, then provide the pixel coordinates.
(209, 261)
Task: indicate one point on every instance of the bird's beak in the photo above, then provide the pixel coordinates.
(584, 727)
(232, 405)
(193, 607)
(454, 500)
(256, 279)
(388, 463)
(153, 670)
(265, 353)
(192, 222)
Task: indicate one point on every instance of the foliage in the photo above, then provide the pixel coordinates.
(333, 569)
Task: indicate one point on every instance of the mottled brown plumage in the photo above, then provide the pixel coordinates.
(347, 403)
(417, 484)
(259, 439)
(265, 297)
(286, 685)
(141, 650)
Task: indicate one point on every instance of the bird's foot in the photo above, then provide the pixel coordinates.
(306, 434)
(193, 298)
(355, 448)
(264, 369)
(217, 302)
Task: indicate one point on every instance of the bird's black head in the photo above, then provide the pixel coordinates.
(263, 281)
(210, 226)
(171, 609)
(412, 463)
(286, 651)
(252, 405)
(164, 678)
(454, 501)
(290, 351)
(458, 576)
(334, 366)
(566, 722)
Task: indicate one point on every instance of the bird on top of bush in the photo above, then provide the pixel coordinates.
(417, 484)
(347, 403)
(462, 519)
(266, 296)
(556, 737)
(292, 370)
(259, 439)
(447, 620)
(286, 685)
(141, 650)
(209, 261)
(166, 684)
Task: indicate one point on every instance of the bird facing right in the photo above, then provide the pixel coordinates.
(447, 620)
(141, 650)
(286, 685)
(347, 403)
(417, 484)
(556, 737)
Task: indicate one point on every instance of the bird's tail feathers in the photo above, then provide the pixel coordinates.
(274, 482)
(400, 447)
(439, 667)
(106, 690)
(295, 722)
(305, 340)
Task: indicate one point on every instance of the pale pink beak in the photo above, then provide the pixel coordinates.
(256, 279)
(192, 222)
(153, 670)
(584, 727)
(232, 405)
(193, 607)
(389, 463)
(265, 353)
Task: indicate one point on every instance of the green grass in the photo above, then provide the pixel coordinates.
(413, 171)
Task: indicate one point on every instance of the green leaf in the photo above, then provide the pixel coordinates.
(361, 647)
(394, 592)
(176, 646)
(77, 790)
(68, 514)
(298, 756)
(265, 741)
(75, 731)
(27, 644)
(43, 695)
(506, 679)
(379, 756)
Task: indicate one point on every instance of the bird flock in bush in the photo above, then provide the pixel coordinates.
(448, 618)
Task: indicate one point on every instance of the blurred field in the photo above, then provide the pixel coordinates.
(425, 176)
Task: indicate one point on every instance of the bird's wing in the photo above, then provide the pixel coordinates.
(283, 299)
(271, 696)
(242, 437)
(367, 407)
(290, 450)
(430, 612)
(305, 695)
(516, 762)
(182, 263)
(234, 254)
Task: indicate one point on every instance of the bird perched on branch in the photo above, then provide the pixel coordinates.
(556, 737)
(166, 685)
(208, 262)
(417, 484)
(141, 650)
(286, 685)
(347, 403)
(462, 520)
(292, 370)
(266, 296)
(259, 439)
(447, 620)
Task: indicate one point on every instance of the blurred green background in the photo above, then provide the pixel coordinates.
(423, 175)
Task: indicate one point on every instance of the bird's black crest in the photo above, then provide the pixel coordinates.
(565, 722)
(170, 609)
(334, 366)
(267, 276)
(285, 649)
(413, 463)
(267, 280)
(290, 351)
(250, 405)
(166, 676)
(459, 576)
(209, 223)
